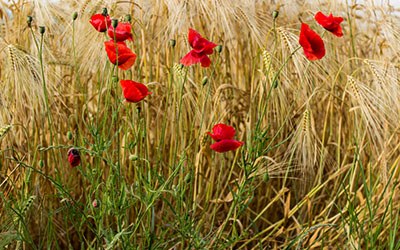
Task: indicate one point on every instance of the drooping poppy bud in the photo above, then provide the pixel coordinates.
(275, 14)
(204, 81)
(219, 48)
(172, 42)
(74, 157)
(104, 12)
(133, 157)
(128, 18)
(29, 21)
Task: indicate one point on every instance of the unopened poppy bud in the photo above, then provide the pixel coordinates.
(115, 79)
(41, 163)
(218, 48)
(74, 157)
(128, 18)
(105, 12)
(74, 15)
(172, 42)
(188, 178)
(266, 177)
(133, 157)
(29, 21)
(275, 84)
(204, 81)
(114, 23)
(96, 203)
(275, 14)
(42, 29)
(69, 135)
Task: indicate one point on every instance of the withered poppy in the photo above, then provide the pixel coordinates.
(74, 157)
(134, 91)
(223, 135)
(122, 32)
(312, 43)
(99, 22)
(126, 58)
(330, 23)
(201, 48)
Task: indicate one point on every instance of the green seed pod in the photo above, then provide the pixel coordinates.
(42, 29)
(114, 23)
(218, 48)
(204, 81)
(172, 42)
(41, 163)
(74, 15)
(69, 135)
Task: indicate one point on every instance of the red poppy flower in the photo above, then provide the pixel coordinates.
(74, 157)
(330, 23)
(223, 135)
(312, 43)
(122, 32)
(201, 48)
(99, 22)
(134, 91)
(126, 58)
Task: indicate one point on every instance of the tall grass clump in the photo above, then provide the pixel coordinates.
(175, 124)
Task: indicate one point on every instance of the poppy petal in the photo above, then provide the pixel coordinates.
(122, 32)
(226, 145)
(223, 131)
(98, 21)
(134, 91)
(330, 23)
(312, 43)
(126, 58)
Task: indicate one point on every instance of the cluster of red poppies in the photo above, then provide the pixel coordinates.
(119, 53)
(311, 42)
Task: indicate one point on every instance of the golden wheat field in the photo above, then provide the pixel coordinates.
(199, 124)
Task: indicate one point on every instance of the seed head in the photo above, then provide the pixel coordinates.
(114, 23)
(42, 29)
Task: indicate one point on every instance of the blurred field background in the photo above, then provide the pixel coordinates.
(319, 168)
